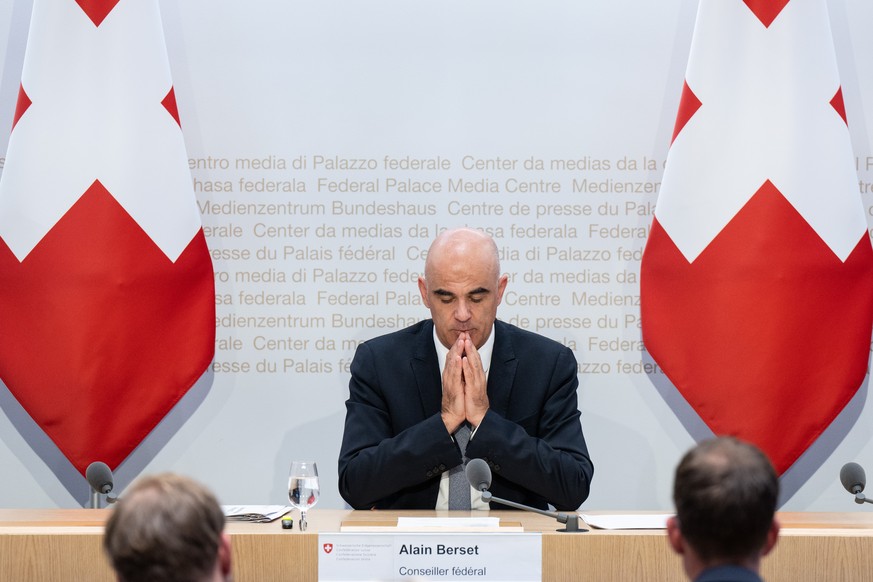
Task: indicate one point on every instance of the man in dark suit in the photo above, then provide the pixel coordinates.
(416, 395)
(725, 493)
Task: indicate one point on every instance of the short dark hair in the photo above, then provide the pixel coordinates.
(725, 492)
(165, 527)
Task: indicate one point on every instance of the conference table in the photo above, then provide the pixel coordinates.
(66, 544)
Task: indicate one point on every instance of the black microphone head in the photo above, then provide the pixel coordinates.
(99, 476)
(853, 478)
(478, 474)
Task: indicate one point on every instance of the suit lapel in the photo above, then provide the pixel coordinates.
(503, 367)
(425, 368)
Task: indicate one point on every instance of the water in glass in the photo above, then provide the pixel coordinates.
(303, 487)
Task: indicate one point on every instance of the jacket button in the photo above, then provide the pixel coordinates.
(496, 467)
(442, 467)
(429, 474)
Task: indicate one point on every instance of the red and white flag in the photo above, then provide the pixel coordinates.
(757, 278)
(107, 309)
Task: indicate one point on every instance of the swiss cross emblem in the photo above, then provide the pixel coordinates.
(328, 548)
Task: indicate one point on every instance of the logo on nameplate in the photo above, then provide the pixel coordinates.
(328, 548)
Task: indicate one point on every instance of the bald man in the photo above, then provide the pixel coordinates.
(458, 386)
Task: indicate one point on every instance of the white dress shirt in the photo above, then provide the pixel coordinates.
(485, 355)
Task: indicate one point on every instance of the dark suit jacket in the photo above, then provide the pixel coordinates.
(395, 445)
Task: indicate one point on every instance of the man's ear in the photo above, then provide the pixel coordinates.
(224, 554)
(501, 287)
(772, 536)
(674, 535)
(422, 289)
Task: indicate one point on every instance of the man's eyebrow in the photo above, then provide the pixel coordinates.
(476, 291)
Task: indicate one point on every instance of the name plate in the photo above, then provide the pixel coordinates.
(352, 557)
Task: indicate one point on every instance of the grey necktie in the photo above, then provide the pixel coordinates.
(459, 487)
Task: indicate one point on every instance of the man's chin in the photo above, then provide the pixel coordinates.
(476, 338)
(452, 336)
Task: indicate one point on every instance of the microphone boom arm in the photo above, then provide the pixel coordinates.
(572, 521)
(861, 499)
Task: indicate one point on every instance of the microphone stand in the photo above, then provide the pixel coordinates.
(572, 521)
(95, 498)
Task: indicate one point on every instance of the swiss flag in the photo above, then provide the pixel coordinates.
(757, 278)
(107, 309)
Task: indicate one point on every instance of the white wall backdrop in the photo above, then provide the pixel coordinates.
(545, 122)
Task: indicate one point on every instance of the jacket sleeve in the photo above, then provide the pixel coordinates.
(542, 457)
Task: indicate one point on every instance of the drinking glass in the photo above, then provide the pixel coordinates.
(303, 487)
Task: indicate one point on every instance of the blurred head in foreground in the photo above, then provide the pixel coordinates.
(725, 492)
(168, 527)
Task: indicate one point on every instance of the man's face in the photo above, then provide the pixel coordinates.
(462, 294)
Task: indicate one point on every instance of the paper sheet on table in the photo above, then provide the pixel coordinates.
(433, 525)
(449, 522)
(255, 513)
(627, 520)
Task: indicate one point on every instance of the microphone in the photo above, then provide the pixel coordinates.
(99, 477)
(854, 479)
(479, 475)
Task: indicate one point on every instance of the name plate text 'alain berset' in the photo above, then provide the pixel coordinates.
(351, 557)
